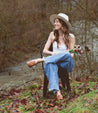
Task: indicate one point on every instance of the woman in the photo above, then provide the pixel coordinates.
(62, 42)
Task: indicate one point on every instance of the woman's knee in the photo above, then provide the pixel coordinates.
(68, 56)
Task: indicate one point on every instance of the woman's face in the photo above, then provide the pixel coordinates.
(57, 24)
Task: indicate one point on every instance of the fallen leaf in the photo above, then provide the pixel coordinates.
(23, 101)
(39, 111)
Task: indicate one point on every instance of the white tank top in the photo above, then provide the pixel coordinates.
(61, 48)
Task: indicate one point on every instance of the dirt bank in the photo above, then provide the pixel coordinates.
(20, 75)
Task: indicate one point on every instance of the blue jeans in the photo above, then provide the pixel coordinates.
(51, 68)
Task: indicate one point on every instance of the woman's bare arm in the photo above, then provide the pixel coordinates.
(72, 43)
(47, 45)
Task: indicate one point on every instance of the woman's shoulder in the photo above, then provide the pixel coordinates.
(72, 36)
(52, 35)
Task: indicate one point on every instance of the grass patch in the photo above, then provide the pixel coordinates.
(82, 99)
(87, 103)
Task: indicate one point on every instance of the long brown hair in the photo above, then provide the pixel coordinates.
(65, 31)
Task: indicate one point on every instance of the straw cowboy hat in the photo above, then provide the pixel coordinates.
(61, 16)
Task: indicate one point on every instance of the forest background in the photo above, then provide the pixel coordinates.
(25, 24)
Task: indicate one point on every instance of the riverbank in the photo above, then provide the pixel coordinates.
(20, 75)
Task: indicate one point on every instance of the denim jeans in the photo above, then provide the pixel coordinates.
(51, 68)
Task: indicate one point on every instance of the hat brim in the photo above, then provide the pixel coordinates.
(54, 16)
